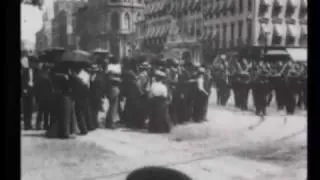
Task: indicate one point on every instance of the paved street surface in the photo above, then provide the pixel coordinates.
(232, 145)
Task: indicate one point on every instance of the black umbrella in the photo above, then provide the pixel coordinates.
(76, 56)
(100, 51)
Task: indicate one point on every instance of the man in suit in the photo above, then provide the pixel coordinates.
(27, 83)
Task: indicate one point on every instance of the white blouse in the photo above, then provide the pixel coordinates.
(158, 89)
(114, 68)
(85, 77)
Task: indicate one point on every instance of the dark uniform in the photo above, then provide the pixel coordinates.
(172, 82)
(279, 86)
(62, 122)
(43, 93)
(202, 95)
(98, 87)
(27, 94)
(27, 97)
(221, 78)
(291, 76)
(241, 85)
(260, 87)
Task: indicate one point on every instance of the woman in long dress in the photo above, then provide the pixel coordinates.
(62, 124)
(159, 121)
(133, 110)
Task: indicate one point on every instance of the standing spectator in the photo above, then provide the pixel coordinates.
(114, 71)
(159, 115)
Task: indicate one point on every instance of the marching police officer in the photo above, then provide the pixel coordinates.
(173, 75)
(221, 76)
(260, 82)
(188, 87)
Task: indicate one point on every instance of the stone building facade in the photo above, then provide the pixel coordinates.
(63, 26)
(110, 24)
(174, 25)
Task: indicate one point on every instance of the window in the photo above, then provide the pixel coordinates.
(276, 10)
(240, 26)
(115, 21)
(249, 31)
(240, 6)
(250, 5)
(224, 41)
(218, 36)
(198, 32)
(303, 12)
(232, 35)
(290, 11)
(126, 22)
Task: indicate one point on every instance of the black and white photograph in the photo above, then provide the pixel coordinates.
(163, 89)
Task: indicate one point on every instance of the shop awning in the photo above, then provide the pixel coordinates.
(277, 52)
(298, 54)
(266, 2)
(304, 30)
(293, 3)
(264, 29)
(293, 31)
(304, 3)
(280, 3)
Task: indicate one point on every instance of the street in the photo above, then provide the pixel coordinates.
(232, 145)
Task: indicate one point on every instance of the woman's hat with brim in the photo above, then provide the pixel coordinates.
(159, 73)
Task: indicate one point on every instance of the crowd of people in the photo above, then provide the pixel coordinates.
(286, 79)
(157, 94)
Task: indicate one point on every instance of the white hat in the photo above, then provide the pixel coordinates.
(223, 56)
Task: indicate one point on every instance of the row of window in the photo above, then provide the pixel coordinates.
(119, 1)
(279, 9)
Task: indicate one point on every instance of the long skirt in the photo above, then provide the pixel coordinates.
(84, 115)
(159, 116)
(113, 111)
(62, 124)
(201, 106)
(135, 112)
(96, 104)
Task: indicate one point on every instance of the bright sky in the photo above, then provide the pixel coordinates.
(31, 22)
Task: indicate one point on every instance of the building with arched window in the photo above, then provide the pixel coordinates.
(225, 26)
(173, 25)
(110, 25)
